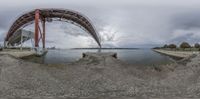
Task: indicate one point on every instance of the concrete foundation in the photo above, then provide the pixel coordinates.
(100, 54)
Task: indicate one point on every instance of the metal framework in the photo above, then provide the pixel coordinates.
(45, 15)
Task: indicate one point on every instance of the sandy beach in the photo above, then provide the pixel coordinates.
(179, 54)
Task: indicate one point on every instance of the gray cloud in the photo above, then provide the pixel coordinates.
(187, 38)
(73, 30)
(1, 37)
(136, 23)
(185, 26)
(187, 20)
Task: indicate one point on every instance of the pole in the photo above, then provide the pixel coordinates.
(37, 15)
(43, 37)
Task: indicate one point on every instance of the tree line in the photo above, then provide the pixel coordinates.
(183, 45)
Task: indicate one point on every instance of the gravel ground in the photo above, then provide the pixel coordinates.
(98, 76)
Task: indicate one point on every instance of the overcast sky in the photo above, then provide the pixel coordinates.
(121, 23)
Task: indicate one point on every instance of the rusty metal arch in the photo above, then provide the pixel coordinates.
(73, 16)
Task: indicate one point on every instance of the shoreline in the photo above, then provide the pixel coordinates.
(177, 54)
(18, 53)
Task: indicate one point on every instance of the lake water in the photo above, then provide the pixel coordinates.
(132, 56)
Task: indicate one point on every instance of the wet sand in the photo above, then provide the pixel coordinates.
(98, 76)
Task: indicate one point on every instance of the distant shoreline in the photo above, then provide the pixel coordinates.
(108, 48)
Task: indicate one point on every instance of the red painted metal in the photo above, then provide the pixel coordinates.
(43, 37)
(37, 16)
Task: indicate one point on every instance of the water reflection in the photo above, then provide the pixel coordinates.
(133, 56)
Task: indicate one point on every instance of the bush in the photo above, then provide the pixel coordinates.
(185, 45)
(165, 46)
(156, 48)
(172, 46)
(197, 45)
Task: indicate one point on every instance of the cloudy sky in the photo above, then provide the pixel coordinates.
(121, 23)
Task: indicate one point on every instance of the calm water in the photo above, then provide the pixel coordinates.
(134, 56)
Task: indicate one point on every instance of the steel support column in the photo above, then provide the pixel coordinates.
(43, 37)
(37, 16)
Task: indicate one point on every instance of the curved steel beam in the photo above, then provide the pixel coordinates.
(46, 14)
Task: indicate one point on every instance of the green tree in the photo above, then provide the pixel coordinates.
(185, 45)
(172, 46)
(197, 45)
